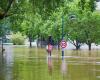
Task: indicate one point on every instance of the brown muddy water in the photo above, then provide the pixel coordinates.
(22, 63)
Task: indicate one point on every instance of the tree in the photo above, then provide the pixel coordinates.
(83, 10)
(5, 9)
(28, 14)
(91, 29)
(87, 5)
(84, 29)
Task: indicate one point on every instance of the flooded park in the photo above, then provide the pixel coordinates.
(23, 63)
(49, 39)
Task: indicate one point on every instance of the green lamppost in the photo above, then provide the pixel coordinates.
(63, 43)
(62, 34)
(2, 39)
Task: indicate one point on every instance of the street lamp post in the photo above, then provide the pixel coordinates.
(72, 17)
(2, 45)
(62, 34)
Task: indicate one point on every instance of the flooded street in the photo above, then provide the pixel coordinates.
(22, 63)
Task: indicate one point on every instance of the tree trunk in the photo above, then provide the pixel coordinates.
(38, 41)
(58, 45)
(89, 45)
(41, 41)
(4, 14)
(77, 44)
(30, 41)
(77, 47)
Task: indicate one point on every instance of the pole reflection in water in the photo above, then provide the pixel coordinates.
(50, 65)
(64, 67)
(2, 76)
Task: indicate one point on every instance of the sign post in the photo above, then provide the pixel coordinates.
(63, 45)
(62, 33)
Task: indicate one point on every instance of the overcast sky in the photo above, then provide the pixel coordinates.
(98, 6)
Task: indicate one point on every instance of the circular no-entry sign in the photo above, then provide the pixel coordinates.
(63, 44)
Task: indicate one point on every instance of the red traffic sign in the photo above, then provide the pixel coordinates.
(63, 44)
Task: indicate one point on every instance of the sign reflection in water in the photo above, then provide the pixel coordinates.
(64, 67)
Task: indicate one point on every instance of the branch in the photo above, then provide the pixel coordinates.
(72, 42)
(8, 7)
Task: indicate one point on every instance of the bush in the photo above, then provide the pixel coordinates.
(18, 39)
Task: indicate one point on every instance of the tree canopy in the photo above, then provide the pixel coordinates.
(37, 19)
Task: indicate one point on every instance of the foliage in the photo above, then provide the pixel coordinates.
(91, 27)
(84, 28)
(4, 27)
(40, 18)
(18, 39)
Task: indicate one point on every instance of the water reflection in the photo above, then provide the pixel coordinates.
(32, 65)
(50, 65)
(64, 68)
(9, 63)
(2, 77)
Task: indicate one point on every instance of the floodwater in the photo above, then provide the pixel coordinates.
(22, 63)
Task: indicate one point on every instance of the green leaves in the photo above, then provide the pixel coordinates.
(3, 4)
(43, 18)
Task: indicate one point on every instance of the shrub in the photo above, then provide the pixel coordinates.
(18, 39)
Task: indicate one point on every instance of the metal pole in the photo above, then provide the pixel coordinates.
(62, 34)
(2, 45)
